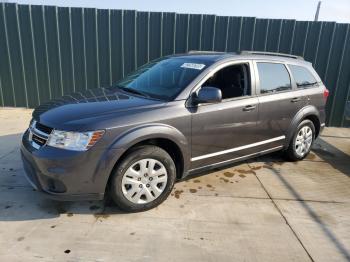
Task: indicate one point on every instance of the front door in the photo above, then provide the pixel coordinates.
(225, 130)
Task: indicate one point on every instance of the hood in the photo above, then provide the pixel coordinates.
(81, 109)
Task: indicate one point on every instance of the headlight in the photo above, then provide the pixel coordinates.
(74, 140)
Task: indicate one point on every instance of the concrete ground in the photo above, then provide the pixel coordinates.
(265, 209)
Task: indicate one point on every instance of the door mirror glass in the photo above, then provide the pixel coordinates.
(208, 94)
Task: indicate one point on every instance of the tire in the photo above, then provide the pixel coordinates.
(297, 152)
(143, 179)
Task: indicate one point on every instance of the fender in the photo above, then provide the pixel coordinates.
(302, 113)
(155, 130)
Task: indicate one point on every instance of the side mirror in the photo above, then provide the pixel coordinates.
(208, 94)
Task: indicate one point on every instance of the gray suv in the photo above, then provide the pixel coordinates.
(172, 117)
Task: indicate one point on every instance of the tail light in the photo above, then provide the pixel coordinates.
(325, 93)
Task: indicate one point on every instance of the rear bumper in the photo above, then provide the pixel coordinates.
(67, 175)
(322, 126)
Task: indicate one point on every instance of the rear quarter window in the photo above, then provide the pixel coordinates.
(303, 77)
(273, 77)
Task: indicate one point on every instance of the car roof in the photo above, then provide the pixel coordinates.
(213, 56)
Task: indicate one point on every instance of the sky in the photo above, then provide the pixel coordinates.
(331, 10)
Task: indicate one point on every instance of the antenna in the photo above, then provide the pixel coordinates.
(318, 10)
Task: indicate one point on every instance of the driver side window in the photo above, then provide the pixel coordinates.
(233, 81)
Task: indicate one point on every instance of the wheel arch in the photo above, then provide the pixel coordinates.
(167, 144)
(309, 112)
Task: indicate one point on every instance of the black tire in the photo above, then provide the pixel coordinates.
(137, 154)
(291, 153)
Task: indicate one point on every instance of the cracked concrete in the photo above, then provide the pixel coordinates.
(264, 209)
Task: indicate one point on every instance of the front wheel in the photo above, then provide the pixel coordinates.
(301, 143)
(143, 180)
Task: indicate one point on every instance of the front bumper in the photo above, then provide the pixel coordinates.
(66, 175)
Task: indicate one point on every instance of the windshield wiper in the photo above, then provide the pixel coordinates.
(134, 91)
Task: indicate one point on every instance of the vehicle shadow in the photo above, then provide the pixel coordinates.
(327, 153)
(339, 161)
(332, 155)
(314, 216)
(18, 201)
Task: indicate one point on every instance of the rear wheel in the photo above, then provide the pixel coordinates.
(302, 141)
(143, 180)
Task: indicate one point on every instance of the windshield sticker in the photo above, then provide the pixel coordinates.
(193, 66)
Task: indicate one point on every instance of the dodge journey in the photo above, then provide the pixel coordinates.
(172, 117)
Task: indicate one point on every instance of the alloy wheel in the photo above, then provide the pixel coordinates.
(303, 141)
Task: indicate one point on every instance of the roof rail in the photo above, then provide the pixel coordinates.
(204, 52)
(271, 54)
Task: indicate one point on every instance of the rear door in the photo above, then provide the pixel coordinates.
(310, 85)
(279, 101)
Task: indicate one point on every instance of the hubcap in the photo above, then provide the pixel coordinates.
(144, 181)
(303, 141)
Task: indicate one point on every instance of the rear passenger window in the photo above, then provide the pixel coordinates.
(273, 78)
(302, 76)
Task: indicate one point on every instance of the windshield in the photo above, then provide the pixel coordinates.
(164, 78)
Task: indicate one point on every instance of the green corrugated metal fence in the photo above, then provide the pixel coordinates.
(49, 51)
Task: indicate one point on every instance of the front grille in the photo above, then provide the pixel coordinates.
(43, 128)
(38, 134)
(37, 139)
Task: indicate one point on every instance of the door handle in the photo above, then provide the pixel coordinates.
(249, 108)
(295, 99)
